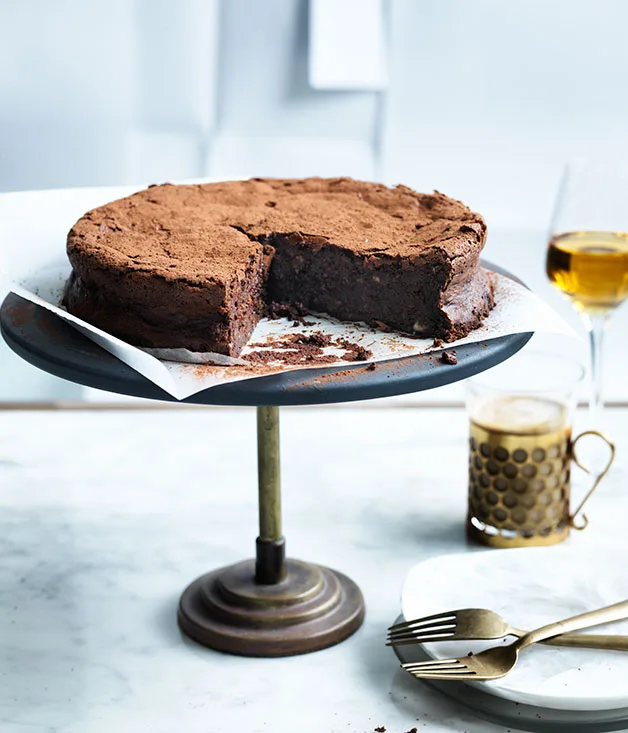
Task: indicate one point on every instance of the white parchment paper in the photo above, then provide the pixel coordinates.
(182, 373)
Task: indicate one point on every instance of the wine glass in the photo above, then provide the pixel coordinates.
(587, 256)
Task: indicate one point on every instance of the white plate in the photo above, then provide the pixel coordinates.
(532, 587)
(517, 715)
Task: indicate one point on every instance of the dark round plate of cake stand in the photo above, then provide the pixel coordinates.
(270, 606)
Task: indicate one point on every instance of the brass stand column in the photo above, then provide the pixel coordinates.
(269, 565)
(271, 606)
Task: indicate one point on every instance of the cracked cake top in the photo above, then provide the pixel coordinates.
(205, 232)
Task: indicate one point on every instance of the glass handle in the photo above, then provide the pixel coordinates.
(598, 478)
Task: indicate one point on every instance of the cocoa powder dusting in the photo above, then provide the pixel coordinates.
(215, 252)
(18, 315)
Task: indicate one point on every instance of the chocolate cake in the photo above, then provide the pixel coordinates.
(195, 266)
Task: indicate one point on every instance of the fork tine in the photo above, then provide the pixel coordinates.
(449, 671)
(422, 631)
(446, 675)
(449, 616)
(414, 638)
(444, 669)
(420, 638)
(438, 631)
(425, 627)
(433, 663)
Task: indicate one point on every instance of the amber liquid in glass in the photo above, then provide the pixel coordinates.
(591, 268)
(519, 471)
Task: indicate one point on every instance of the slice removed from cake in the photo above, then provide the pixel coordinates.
(192, 266)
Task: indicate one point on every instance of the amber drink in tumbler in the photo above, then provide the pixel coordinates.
(520, 451)
(519, 471)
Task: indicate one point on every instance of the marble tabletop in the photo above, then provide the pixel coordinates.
(105, 516)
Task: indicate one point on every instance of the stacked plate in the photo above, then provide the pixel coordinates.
(551, 688)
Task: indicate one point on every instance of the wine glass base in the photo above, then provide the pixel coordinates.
(312, 608)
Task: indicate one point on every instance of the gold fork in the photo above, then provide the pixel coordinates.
(498, 661)
(479, 623)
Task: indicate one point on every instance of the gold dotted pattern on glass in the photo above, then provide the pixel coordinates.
(520, 483)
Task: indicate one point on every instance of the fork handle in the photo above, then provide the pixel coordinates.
(604, 615)
(591, 641)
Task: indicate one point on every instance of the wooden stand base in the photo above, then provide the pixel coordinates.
(311, 608)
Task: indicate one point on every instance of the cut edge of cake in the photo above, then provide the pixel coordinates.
(438, 290)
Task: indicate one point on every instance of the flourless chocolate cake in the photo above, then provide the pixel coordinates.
(195, 266)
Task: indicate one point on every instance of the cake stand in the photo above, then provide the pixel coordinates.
(270, 606)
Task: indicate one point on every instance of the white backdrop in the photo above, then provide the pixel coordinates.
(482, 99)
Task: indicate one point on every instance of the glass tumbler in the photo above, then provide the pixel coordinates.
(521, 449)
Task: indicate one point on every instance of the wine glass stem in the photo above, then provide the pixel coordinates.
(596, 326)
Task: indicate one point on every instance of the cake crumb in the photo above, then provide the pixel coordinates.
(449, 357)
(438, 343)
(354, 352)
(318, 338)
(298, 348)
(295, 311)
(382, 326)
(380, 729)
(362, 354)
(371, 367)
